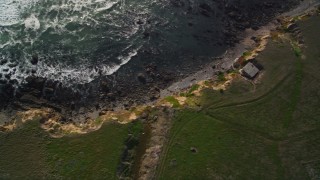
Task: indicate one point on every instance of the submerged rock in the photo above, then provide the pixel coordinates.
(3, 62)
(35, 59)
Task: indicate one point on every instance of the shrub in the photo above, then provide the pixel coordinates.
(175, 103)
(296, 49)
(246, 54)
(194, 87)
(221, 77)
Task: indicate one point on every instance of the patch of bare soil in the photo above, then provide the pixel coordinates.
(160, 125)
(57, 126)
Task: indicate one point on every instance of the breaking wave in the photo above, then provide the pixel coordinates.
(10, 10)
(73, 41)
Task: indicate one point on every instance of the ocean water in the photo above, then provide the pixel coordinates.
(77, 41)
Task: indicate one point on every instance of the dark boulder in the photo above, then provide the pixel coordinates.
(146, 34)
(35, 82)
(8, 76)
(140, 22)
(205, 13)
(12, 65)
(205, 7)
(7, 90)
(190, 24)
(35, 59)
(111, 96)
(3, 62)
(177, 3)
(142, 78)
(104, 86)
(48, 92)
(2, 81)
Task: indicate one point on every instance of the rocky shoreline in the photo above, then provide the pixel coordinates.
(285, 23)
(57, 119)
(145, 84)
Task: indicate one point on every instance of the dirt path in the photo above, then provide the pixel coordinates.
(159, 132)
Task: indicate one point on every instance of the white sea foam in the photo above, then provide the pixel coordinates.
(81, 75)
(81, 12)
(106, 7)
(10, 10)
(32, 22)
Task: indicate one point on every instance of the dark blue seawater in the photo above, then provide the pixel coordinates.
(76, 41)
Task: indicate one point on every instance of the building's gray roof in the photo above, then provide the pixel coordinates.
(250, 69)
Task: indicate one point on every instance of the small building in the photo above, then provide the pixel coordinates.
(249, 70)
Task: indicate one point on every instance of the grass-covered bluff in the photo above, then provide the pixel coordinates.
(30, 152)
(266, 130)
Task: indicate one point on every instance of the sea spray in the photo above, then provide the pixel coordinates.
(75, 40)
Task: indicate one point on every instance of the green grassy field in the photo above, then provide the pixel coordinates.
(270, 130)
(29, 152)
